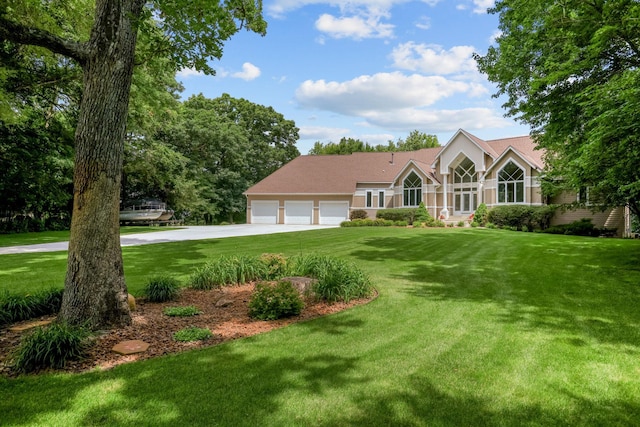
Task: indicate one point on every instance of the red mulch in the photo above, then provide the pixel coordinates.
(224, 311)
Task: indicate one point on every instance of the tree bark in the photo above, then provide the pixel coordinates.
(95, 290)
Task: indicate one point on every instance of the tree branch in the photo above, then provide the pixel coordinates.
(22, 34)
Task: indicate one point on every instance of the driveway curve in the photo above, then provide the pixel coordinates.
(201, 232)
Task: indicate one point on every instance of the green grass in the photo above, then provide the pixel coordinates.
(62, 236)
(471, 327)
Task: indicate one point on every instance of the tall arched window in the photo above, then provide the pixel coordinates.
(412, 190)
(465, 172)
(511, 184)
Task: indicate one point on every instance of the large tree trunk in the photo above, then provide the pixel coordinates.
(95, 290)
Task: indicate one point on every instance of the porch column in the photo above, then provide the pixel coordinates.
(445, 211)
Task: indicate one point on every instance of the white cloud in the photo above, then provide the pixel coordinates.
(185, 73)
(433, 59)
(438, 120)
(380, 92)
(424, 23)
(358, 19)
(249, 72)
(494, 36)
(356, 27)
(319, 133)
(481, 6)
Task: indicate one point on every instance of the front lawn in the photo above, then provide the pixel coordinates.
(472, 327)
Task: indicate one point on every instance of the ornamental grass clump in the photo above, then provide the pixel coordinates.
(51, 347)
(271, 302)
(14, 308)
(228, 271)
(162, 289)
(337, 280)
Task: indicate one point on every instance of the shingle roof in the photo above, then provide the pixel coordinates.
(339, 174)
(524, 145)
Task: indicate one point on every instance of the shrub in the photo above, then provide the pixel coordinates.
(187, 311)
(422, 215)
(192, 333)
(228, 271)
(276, 265)
(51, 347)
(398, 214)
(582, 227)
(162, 288)
(271, 302)
(378, 222)
(358, 214)
(14, 308)
(460, 223)
(338, 280)
(534, 217)
(481, 214)
(400, 223)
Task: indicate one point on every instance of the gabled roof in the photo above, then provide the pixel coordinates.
(340, 174)
(522, 145)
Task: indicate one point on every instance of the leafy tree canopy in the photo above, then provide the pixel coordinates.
(571, 70)
(415, 141)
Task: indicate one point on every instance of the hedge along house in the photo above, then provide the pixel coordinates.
(451, 181)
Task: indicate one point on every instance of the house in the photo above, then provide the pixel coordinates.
(451, 180)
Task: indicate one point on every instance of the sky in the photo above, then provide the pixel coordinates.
(373, 70)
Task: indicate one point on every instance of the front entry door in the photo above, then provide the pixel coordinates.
(466, 202)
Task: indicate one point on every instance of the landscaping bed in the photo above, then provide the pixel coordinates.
(224, 311)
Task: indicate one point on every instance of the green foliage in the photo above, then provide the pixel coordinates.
(162, 288)
(51, 347)
(422, 216)
(378, 222)
(276, 266)
(14, 308)
(185, 311)
(581, 227)
(192, 333)
(398, 214)
(534, 217)
(480, 216)
(271, 302)
(358, 214)
(229, 270)
(415, 141)
(338, 280)
(571, 71)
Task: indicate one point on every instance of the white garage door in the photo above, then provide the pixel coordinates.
(264, 212)
(332, 213)
(298, 212)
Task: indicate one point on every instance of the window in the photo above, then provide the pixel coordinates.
(369, 202)
(412, 190)
(583, 196)
(381, 199)
(465, 172)
(511, 184)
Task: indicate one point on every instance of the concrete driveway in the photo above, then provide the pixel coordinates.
(187, 233)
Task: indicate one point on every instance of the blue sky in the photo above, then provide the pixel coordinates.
(373, 70)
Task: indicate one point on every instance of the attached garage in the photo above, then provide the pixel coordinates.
(332, 213)
(296, 212)
(264, 212)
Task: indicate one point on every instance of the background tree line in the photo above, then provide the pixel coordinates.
(416, 140)
(196, 155)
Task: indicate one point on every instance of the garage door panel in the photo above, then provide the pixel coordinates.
(298, 212)
(332, 213)
(264, 212)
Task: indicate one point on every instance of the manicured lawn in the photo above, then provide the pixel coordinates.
(62, 236)
(472, 327)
